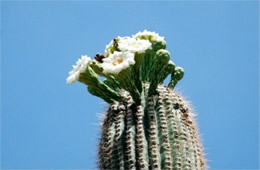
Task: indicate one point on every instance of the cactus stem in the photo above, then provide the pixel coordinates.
(160, 133)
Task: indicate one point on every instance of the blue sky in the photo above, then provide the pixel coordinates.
(46, 123)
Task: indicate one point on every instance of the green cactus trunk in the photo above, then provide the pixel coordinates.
(160, 133)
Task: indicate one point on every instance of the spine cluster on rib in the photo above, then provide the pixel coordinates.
(147, 125)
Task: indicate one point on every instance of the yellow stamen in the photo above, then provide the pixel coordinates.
(117, 61)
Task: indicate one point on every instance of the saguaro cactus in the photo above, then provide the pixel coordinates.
(147, 125)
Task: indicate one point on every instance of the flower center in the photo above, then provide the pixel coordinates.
(117, 61)
(135, 45)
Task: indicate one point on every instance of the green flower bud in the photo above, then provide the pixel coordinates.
(167, 70)
(178, 73)
(162, 56)
(157, 45)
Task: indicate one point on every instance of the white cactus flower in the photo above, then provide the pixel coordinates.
(117, 62)
(80, 67)
(133, 45)
(155, 36)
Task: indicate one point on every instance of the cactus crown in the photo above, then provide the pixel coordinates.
(147, 126)
(128, 63)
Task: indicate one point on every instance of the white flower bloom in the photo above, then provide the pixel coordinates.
(133, 45)
(117, 61)
(155, 36)
(80, 67)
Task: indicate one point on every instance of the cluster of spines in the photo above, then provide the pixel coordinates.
(159, 134)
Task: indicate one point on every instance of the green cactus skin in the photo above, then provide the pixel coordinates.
(160, 133)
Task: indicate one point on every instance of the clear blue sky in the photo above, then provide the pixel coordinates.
(46, 123)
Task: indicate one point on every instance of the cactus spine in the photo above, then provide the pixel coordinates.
(147, 125)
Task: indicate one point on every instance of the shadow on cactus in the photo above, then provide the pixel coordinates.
(147, 125)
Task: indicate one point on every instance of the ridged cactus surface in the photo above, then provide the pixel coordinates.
(148, 125)
(159, 134)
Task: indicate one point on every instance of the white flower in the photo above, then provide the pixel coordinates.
(117, 61)
(154, 36)
(80, 67)
(133, 45)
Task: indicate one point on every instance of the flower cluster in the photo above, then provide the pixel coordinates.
(120, 54)
(123, 56)
(138, 43)
(127, 64)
